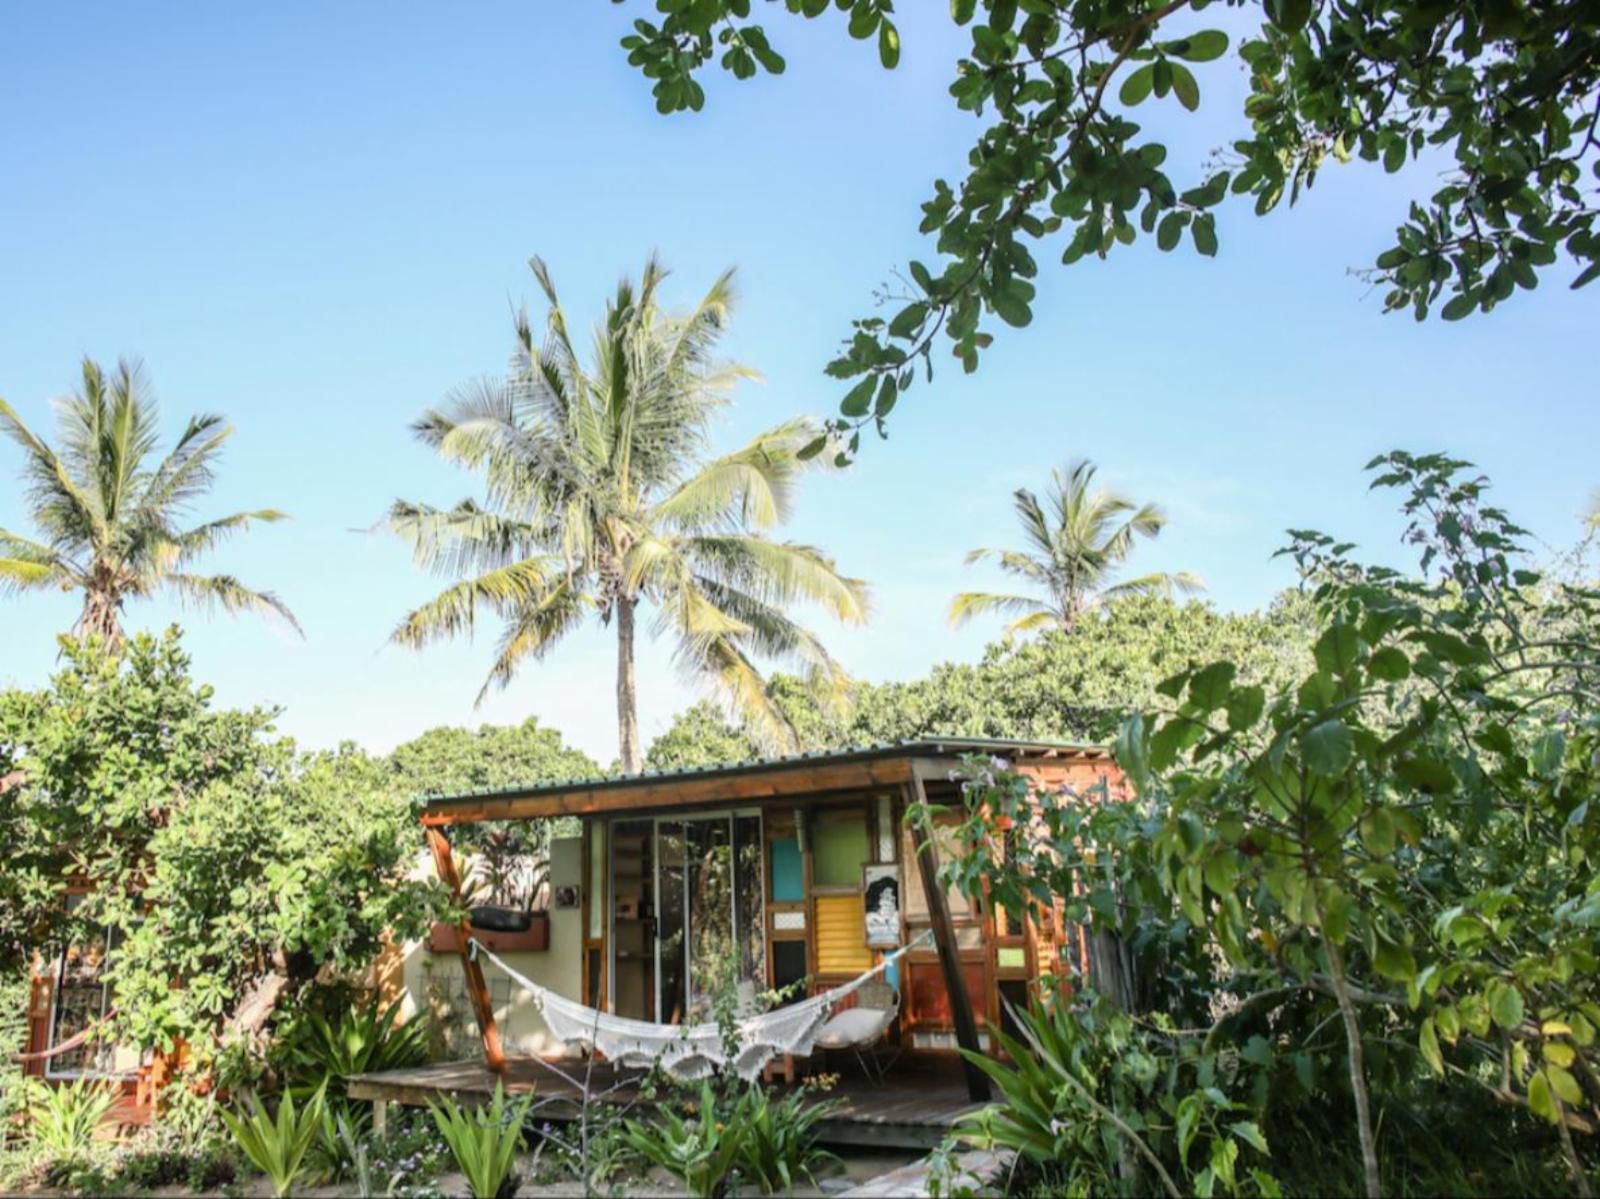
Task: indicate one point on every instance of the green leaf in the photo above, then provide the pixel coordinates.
(888, 45)
(1199, 47)
(1245, 705)
(1540, 1101)
(1204, 232)
(859, 398)
(1011, 309)
(1248, 1132)
(1564, 1085)
(1327, 748)
(1428, 1042)
(1289, 15)
(1170, 232)
(1394, 960)
(1137, 85)
(1505, 1005)
(1209, 688)
(961, 10)
(1459, 306)
(1336, 650)
(1185, 86)
(1389, 664)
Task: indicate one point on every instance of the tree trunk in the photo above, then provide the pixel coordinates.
(1358, 1068)
(627, 696)
(100, 619)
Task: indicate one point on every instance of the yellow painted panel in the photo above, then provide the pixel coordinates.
(842, 935)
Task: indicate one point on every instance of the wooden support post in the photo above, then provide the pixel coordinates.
(477, 989)
(944, 937)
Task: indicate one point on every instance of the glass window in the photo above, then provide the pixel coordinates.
(789, 967)
(788, 875)
(839, 849)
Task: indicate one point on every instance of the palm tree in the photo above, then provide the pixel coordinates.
(1077, 541)
(599, 499)
(109, 522)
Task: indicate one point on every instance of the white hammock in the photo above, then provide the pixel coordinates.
(693, 1050)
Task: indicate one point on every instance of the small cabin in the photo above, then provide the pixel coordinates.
(789, 875)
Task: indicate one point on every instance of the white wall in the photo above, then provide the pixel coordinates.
(522, 1029)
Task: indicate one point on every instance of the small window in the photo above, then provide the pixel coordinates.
(788, 967)
(839, 851)
(788, 875)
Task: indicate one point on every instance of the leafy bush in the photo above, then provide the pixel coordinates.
(15, 988)
(161, 1155)
(702, 1151)
(278, 1145)
(1363, 901)
(778, 1139)
(484, 1142)
(321, 1053)
(1084, 1091)
(63, 1121)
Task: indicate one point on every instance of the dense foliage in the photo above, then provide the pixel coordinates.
(1499, 98)
(1059, 686)
(224, 860)
(1364, 905)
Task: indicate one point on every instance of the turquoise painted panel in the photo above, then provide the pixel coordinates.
(788, 875)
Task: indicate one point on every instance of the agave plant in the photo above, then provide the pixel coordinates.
(278, 1144)
(64, 1119)
(485, 1141)
(322, 1053)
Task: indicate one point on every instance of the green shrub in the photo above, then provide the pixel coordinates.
(778, 1139)
(278, 1145)
(62, 1121)
(702, 1152)
(484, 1142)
(318, 1052)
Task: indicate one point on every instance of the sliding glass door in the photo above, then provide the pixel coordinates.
(704, 917)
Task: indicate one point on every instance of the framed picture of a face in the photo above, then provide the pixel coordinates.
(880, 886)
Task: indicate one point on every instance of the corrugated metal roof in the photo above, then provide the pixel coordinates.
(923, 746)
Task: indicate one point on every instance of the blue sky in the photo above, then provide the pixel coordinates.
(315, 219)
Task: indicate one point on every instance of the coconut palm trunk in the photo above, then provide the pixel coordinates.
(627, 690)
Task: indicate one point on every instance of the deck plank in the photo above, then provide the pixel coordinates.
(910, 1109)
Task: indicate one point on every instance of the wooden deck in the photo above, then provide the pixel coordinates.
(911, 1109)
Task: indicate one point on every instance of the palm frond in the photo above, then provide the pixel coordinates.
(187, 546)
(533, 630)
(466, 539)
(211, 592)
(186, 472)
(58, 504)
(969, 604)
(780, 572)
(752, 487)
(520, 586)
(1180, 582)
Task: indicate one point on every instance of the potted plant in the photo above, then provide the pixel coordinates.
(507, 885)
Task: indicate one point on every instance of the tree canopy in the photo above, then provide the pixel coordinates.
(221, 856)
(1501, 98)
(1059, 686)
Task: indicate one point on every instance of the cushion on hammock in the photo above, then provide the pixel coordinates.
(853, 1026)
